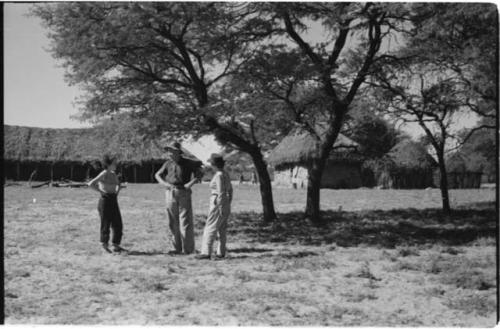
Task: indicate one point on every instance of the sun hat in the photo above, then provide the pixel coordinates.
(216, 160)
(173, 146)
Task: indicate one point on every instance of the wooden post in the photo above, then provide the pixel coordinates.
(18, 170)
(51, 172)
(135, 173)
(152, 176)
(71, 172)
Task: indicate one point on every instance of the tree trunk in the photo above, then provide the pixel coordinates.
(317, 167)
(266, 191)
(443, 183)
(227, 136)
(312, 211)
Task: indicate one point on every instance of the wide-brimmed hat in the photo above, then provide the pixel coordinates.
(216, 159)
(173, 146)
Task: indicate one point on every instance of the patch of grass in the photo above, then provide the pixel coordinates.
(480, 304)
(434, 292)
(408, 251)
(357, 298)
(403, 266)
(452, 251)
(65, 278)
(243, 276)
(364, 272)
(469, 279)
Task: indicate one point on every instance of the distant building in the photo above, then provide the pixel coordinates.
(75, 154)
(406, 166)
(292, 158)
(463, 171)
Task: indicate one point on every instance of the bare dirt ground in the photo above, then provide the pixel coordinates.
(385, 259)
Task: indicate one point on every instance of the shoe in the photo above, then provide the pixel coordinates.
(219, 257)
(105, 247)
(200, 257)
(116, 248)
(173, 252)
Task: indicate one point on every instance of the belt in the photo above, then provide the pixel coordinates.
(178, 186)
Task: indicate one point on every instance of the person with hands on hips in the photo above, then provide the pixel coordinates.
(221, 196)
(178, 174)
(108, 185)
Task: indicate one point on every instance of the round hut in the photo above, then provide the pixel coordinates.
(464, 170)
(406, 166)
(292, 158)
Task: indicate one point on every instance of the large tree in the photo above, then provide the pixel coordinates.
(166, 61)
(340, 63)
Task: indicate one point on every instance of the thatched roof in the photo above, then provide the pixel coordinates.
(460, 162)
(411, 155)
(300, 147)
(79, 145)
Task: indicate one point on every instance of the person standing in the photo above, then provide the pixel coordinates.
(254, 178)
(221, 195)
(178, 174)
(108, 185)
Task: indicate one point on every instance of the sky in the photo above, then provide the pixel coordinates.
(36, 93)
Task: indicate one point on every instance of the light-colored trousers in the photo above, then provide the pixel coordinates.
(216, 225)
(180, 219)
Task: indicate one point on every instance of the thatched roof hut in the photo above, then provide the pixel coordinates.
(407, 165)
(292, 159)
(79, 145)
(301, 147)
(464, 170)
(461, 162)
(408, 154)
(76, 153)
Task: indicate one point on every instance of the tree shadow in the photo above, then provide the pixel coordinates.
(300, 254)
(287, 255)
(248, 250)
(383, 228)
(145, 253)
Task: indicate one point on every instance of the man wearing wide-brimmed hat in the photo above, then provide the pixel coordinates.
(178, 174)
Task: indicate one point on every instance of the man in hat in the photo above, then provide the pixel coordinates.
(178, 174)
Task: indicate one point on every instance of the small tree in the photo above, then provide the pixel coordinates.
(433, 102)
(445, 69)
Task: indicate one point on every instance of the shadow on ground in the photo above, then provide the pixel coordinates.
(386, 229)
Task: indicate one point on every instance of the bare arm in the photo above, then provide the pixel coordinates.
(160, 180)
(192, 182)
(230, 190)
(93, 183)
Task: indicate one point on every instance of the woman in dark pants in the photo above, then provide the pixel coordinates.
(108, 185)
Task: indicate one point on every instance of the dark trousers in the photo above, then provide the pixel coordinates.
(110, 217)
